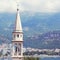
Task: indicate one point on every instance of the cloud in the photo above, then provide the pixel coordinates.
(26, 28)
(30, 5)
(8, 6)
(6, 29)
(42, 5)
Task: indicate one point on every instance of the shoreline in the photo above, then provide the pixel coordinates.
(35, 56)
(43, 56)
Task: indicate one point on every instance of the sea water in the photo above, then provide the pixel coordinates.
(50, 58)
(44, 58)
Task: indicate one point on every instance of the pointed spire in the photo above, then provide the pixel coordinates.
(18, 26)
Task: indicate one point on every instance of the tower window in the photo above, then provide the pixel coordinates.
(20, 35)
(14, 36)
(17, 35)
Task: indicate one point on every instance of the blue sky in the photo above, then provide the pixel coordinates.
(30, 5)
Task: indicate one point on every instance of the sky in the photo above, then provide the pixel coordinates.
(48, 22)
(30, 5)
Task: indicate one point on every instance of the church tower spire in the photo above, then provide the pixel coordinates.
(17, 42)
(18, 26)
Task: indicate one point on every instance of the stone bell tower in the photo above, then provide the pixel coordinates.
(17, 42)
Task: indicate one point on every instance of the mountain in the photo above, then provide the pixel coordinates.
(48, 40)
(36, 24)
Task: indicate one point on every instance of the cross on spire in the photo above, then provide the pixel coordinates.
(18, 27)
(17, 7)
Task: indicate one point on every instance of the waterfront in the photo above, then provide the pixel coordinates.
(50, 58)
(46, 58)
(41, 58)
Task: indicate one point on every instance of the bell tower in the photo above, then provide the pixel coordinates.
(17, 42)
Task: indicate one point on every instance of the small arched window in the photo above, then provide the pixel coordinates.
(18, 35)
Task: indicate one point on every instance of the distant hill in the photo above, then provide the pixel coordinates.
(48, 40)
(39, 28)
